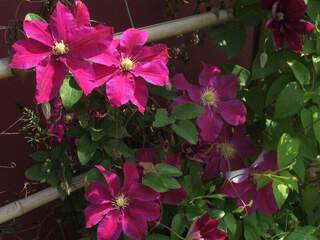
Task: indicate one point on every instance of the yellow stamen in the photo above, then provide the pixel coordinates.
(226, 150)
(127, 64)
(280, 16)
(60, 48)
(209, 97)
(121, 201)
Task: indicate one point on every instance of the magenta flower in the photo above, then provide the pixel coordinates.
(227, 153)
(205, 228)
(121, 209)
(287, 23)
(217, 94)
(241, 184)
(134, 63)
(148, 155)
(63, 44)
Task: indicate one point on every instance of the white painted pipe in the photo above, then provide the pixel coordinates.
(161, 31)
(156, 32)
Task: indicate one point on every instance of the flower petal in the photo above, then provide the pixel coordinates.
(131, 175)
(134, 226)
(266, 200)
(39, 31)
(180, 83)
(303, 27)
(110, 227)
(226, 86)
(157, 52)
(120, 89)
(149, 211)
(112, 180)
(208, 71)
(267, 4)
(109, 57)
(210, 125)
(140, 96)
(98, 193)
(212, 168)
(50, 75)
(294, 40)
(146, 155)
(233, 112)
(266, 161)
(156, 73)
(174, 160)
(62, 22)
(174, 196)
(81, 13)
(94, 213)
(142, 193)
(132, 40)
(28, 53)
(294, 9)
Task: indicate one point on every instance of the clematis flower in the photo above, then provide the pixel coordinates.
(241, 184)
(58, 47)
(287, 23)
(135, 64)
(119, 209)
(217, 94)
(227, 153)
(147, 158)
(205, 228)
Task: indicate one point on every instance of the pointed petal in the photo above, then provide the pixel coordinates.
(233, 112)
(244, 146)
(210, 125)
(140, 96)
(94, 213)
(174, 160)
(98, 193)
(132, 40)
(212, 168)
(303, 27)
(267, 4)
(120, 89)
(294, 9)
(110, 227)
(28, 53)
(156, 73)
(266, 201)
(294, 40)
(50, 75)
(142, 193)
(62, 22)
(112, 180)
(134, 226)
(174, 196)
(179, 82)
(38, 31)
(158, 52)
(149, 211)
(226, 86)
(265, 162)
(278, 38)
(146, 155)
(81, 13)
(109, 57)
(131, 175)
(208, 71)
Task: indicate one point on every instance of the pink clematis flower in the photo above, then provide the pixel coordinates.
(148, 155)
(63, 44)
(121, 209)
(134, 63)
(227, 153)
(205, 228)
(217, 94)
(241, 185)
(287, 23)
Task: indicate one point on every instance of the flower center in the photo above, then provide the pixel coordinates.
(226, 150)
(121, 201)
(280, 16)
(209, 97)
(127, 64)
(60, 48)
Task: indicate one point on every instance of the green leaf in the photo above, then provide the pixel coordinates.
(303, 233)
(289, 102)
(281, 192)
(243, 75)
(70, 93)
(33, 16)
(86, 148)
(154, 181)
(301, 72)
(316, 123)
(40, 156)
(310, 194)
(170, 183)
(313, 8)
(230, 37)
(83, 117)
(230, 223)
(177, 225)
(186, 111)
(93, 175)
(272, 65)
(276, 87)
(115, 147)
(306, 119)
(157, 236)
(187, 130)
(168, 170)
(250, 233)
(255, 99)
(218, 214)
(288, 150)
(35, 173)
(113, 129)
(162, 119)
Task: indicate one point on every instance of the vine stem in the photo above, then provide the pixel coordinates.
(174, 232)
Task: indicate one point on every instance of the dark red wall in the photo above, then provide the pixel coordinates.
(20, 91)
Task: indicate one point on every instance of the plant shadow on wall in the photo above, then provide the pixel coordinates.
(232, 157)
